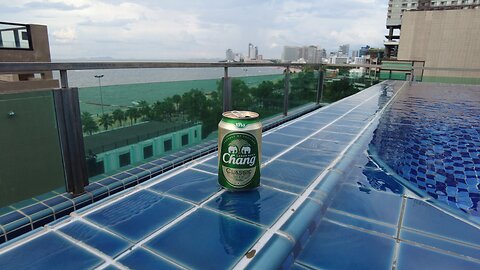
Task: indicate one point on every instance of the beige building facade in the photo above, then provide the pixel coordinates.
(442, 39)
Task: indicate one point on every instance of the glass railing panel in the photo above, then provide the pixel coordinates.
(262, 94)
(341, 82)
(31, 167)
(303, 88)
(128, 124)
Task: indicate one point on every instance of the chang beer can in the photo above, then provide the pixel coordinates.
(239, 150)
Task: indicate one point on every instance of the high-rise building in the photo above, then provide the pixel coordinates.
(354, 54)
(344, 50)
(255, 55)
(363, 51)
(310, 54)
(397, 9)
(251, 51)
(230, 55)
(291, 53)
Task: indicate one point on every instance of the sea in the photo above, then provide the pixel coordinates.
(123, 88)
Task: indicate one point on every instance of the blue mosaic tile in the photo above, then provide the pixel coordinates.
(412, 257)
(143, 259)
(107, 243)
(262, 205)
(191, 185)
(337, 247)
(307, 216)
(212, 162)
(313, 125)
(297, 266)
(282, 185)
(295, 174)
(138, 215)
(316, 158)
(343, 129)
(302, 132)
(421, 216)
(49, 251)
(374, 205)
(11, 217)
(206, 168)
(217, 242)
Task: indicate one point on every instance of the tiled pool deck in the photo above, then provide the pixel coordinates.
(323, 204)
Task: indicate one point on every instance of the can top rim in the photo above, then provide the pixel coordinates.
(241, 115)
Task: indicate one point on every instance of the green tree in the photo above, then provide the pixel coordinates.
(144, 109)
(133, 114)
(88, 123)
(118, 116)
(106, 120)
(176, 100)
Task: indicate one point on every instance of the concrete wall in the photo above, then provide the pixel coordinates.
(448, 38)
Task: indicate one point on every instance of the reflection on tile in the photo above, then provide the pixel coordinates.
(143, 259)
(412, 257)
(192, 185)
(271, 150)
(423, 217)
(374, 205)
(49, 251)
(357, 222)
(207, 168)
(311, 157)
(262, 205)
(109, 244)
(140, 214)
(206, 240)
(336, 247)
(295, 174)
(282, 185)
(281, 139)
(334, 136)
(322, 145)
(441, 244)
(302, 132)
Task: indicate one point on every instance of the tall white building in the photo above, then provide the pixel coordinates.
(251, 51)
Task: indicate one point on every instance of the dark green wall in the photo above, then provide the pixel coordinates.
(30, 157)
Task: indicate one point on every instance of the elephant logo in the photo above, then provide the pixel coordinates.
(246, 150)
(232, 149)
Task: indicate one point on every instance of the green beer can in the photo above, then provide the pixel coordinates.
(239, 150)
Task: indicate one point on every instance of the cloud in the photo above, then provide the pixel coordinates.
(151, 29)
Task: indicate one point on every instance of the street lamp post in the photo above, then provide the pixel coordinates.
(99, 77)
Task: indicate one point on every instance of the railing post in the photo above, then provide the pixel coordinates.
(63, 79)
(227, 91)
(320, 85)
(287, 90)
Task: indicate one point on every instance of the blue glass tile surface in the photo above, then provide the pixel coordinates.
(49, 251)
(307, 215)
(107, 243)
(412, 257)
(192, 185)
(216, 242)
(138, 215)
(423, 217)
(336, 247)
(143, 259)
(11, 217)
(456, 247)
(295, 174)
(343, 129)
(273, 254)
(262, 205)
(212, 162)
(271, 150)
(281, 138)
(361, 223)
(285, 186)
(302, 132)
(334, 136)
(207, 168)
(315, 144)
(311, 157)
(374, 205)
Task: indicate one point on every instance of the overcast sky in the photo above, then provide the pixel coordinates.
(181, 29)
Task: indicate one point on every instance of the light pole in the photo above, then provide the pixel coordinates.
(99, 77)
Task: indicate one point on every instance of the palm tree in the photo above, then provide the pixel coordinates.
(89, 125)
(133, 114)
(118, 115)
(105, 120)
(144, 109)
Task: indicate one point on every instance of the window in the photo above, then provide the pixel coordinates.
(195, 134)
(184, 139)
(167, 145)
(404, 5)
(453, 2)
(124, 159)
(148, 151)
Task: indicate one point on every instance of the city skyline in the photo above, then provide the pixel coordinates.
(175, 30)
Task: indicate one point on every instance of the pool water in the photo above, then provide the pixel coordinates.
(430, 136)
